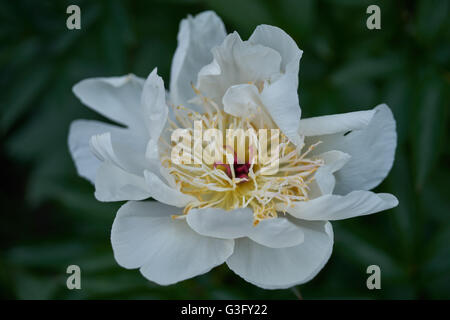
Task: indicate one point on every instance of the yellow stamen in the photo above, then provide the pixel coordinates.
(213, 186)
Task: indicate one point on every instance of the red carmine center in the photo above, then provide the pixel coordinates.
(241, 170)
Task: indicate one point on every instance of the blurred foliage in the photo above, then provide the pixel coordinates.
(50, 218)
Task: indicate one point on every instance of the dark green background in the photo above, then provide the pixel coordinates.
(50, 218)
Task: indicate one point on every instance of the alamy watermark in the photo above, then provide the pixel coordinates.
(374, 280)
(74, 20)
(374, 20)
(239, 146)
(74, 280)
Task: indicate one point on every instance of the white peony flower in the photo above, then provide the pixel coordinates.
(272, 230)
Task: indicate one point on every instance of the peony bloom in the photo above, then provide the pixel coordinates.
(273, 230)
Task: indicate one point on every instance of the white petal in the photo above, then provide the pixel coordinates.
(156, 111)
(219, 223)
(336, 207)
(114, 184)
(280, 97)
(80, 133)
(241, 100)
(279, 268)
(121, 148)
(164, 193)
(237, 62)
(152, 153)
(196, 37)
(277, 39)
(275, 233)
(245, 62)
(335, 123)
(117, 98)
(153, 102)
(102, 148)
(333, 161)
(372, 152)
(166, 250)
(281, 101)
(166, 176)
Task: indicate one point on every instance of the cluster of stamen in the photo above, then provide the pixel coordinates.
(233, 184)
(241, 170)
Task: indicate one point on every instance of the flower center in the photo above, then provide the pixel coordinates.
(232, 184)
(241, 170)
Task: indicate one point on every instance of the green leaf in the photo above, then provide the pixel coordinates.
(22, 94)
(432, 17)
(431, 112)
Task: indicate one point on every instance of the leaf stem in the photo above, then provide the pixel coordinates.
(297, 293)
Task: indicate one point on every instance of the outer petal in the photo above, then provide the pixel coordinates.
(80, 133)
(335, 207)
(114, 184)
(196, 37)
(144, 236)
(281, 268)
(275, 233)
(117, 98)
(277, 39)
(372, 150)
(335, 123)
